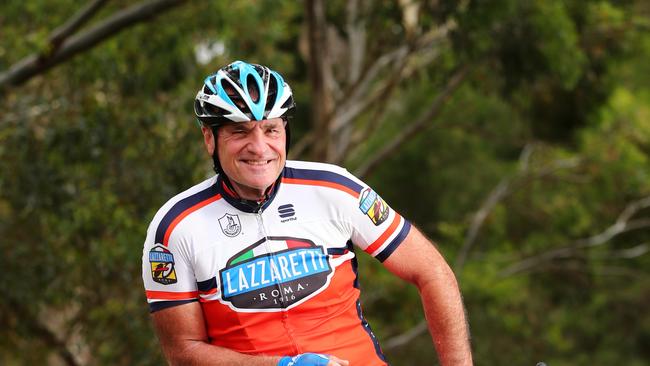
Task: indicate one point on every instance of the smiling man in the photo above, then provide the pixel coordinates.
(253, 154)
(257, 265)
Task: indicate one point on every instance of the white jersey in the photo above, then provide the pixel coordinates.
(280, 278)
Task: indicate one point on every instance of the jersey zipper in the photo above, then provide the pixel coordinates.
(279, 287)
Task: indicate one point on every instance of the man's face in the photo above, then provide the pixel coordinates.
(252, 154)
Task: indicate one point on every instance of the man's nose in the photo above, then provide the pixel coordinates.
(256, 141)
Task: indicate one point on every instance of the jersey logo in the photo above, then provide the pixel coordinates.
(230, 225)
(372, 205)
(286, 213)
(162, 265)
(255, 278)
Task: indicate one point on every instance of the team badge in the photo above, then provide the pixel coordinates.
(372, 205)
(230, 225)
(162, 265)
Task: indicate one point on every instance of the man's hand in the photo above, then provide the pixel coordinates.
(312, 359)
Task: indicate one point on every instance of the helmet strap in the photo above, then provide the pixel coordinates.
(287, 134)
(215, 154)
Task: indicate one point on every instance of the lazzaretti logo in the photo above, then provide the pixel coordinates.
(162, 265)
(258, 279)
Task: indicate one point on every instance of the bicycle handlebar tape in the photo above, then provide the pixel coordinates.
(304, 359)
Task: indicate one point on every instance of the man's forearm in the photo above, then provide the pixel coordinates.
(445, 315)
(418, 261)
(201, 353)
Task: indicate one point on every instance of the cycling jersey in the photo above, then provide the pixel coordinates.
(281, 278)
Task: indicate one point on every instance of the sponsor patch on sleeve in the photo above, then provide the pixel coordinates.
(373, 206)
(162, 265)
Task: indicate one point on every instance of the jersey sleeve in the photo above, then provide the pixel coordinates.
(376, 227)
(167, 270)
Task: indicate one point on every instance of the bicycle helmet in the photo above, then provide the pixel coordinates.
(243, 92)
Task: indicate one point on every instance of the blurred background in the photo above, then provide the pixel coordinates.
(515, 134)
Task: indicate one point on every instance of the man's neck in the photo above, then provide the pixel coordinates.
(248, 193)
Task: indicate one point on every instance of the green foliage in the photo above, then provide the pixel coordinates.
(555, 105)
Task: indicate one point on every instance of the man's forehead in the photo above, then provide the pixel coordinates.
(252, 124)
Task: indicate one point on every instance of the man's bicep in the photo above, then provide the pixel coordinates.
(416, 259)
(179, 325)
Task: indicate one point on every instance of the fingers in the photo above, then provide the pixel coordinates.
(335, 361)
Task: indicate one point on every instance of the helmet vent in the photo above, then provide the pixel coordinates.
(215, 111)
(234, 96)
(273, 91)
(252, 88)
(288, 103)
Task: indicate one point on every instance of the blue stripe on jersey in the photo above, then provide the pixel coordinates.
(371, 334)
(355, 265)
(337, 251)
(207, 285)
(322, 175)
(181, 206)
(349, 247)
(390, 248)
(159, 305)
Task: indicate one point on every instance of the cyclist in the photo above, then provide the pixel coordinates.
(257, 265)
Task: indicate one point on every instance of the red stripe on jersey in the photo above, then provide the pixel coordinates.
(321, 183)
(382, 239)
(165, 295)
(297, 244)
(228, 190)
(184, 214)
(209, 292)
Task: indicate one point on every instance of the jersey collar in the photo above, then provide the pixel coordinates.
(231, 196)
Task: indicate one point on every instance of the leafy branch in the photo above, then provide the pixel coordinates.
(624, 223)
(63, 43)
(504, 188)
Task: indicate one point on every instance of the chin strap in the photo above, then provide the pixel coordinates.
(215, 155)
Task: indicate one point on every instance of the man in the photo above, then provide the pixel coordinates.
(256, 266)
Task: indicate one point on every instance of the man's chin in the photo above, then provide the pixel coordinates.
(252, 190)
(259, 182)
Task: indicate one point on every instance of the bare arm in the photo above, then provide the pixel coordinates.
(416, 260)
(184, 340)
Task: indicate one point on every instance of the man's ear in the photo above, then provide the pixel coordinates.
(209, 140)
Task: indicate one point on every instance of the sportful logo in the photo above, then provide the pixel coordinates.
(286, 213)
(256, 279)
(230, 225)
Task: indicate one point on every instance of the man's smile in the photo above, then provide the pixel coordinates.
(257, 162)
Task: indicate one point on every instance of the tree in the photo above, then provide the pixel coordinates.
(62, 43)
(518, 131)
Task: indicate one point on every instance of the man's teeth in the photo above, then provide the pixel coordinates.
(257, 162)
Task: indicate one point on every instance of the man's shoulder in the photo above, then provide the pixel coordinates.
(316, 166)
(322, 175)
(196, 192)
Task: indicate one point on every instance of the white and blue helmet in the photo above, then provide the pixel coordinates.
(242, 92)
